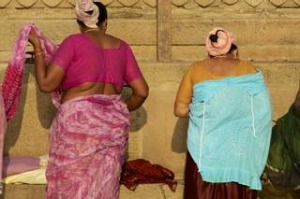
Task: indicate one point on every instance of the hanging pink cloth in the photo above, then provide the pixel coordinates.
(10, 90)
(12, 82)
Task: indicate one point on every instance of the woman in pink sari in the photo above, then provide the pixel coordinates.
(89, 134)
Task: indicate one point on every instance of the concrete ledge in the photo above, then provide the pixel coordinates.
(147, 191)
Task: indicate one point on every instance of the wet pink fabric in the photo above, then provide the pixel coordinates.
(12, 82)
(88, 141)
(10, 89)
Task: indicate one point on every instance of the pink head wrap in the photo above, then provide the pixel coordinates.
(82, 7)
(222, 44)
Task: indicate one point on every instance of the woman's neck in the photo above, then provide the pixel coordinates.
(91, 30)
(226, 56)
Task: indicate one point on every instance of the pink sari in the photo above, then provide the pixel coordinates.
(88, 141)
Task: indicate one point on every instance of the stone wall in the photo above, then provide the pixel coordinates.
(166, 37)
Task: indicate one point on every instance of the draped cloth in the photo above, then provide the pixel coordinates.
(283, 165)
(88, 140)
(231, 144)
(141, 171)
(10, 89)
(12, 82)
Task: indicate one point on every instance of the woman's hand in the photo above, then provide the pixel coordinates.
(34, 39)
(140, 91)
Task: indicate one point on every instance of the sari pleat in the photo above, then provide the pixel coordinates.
(88, 142)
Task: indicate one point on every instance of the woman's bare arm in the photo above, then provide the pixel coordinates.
(184, 96)
(48, 77)
(140, 91)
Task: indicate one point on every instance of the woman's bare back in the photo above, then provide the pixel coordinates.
(89, 88)
(222, 66)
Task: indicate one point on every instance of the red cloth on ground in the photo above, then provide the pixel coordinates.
(141, 171)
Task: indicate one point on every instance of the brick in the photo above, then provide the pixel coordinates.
(128, 3)
(247, 30)
(52, 3)
(27, 3)
(265, 53)
(145, 53)
(132, 31)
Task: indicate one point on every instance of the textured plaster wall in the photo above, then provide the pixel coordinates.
(268, 35)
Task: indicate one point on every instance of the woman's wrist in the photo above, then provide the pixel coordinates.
(36, 45)
(37, 48)
(39, 54)
(38, 51)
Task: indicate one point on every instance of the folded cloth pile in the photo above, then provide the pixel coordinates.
(26, 169)
(141, 171)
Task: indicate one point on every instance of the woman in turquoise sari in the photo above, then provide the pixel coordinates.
(230, 119)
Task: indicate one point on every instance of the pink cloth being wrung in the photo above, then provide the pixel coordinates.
(10, 89)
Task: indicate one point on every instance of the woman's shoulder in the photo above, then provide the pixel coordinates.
(73, 37)
(198, 72)
(247, 63)
(195, 68)
(247, 66)
(115, 42)
(197, 65)
(122, 42)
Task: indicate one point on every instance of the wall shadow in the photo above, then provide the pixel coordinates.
(15, 124)
(44, 108)
(138, 118)
(179, 136)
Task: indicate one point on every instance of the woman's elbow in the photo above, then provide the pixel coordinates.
(180, 112)
(46, 88)
(146, 92)
(143, 93)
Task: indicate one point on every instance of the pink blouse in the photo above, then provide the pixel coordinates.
(85, 61)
